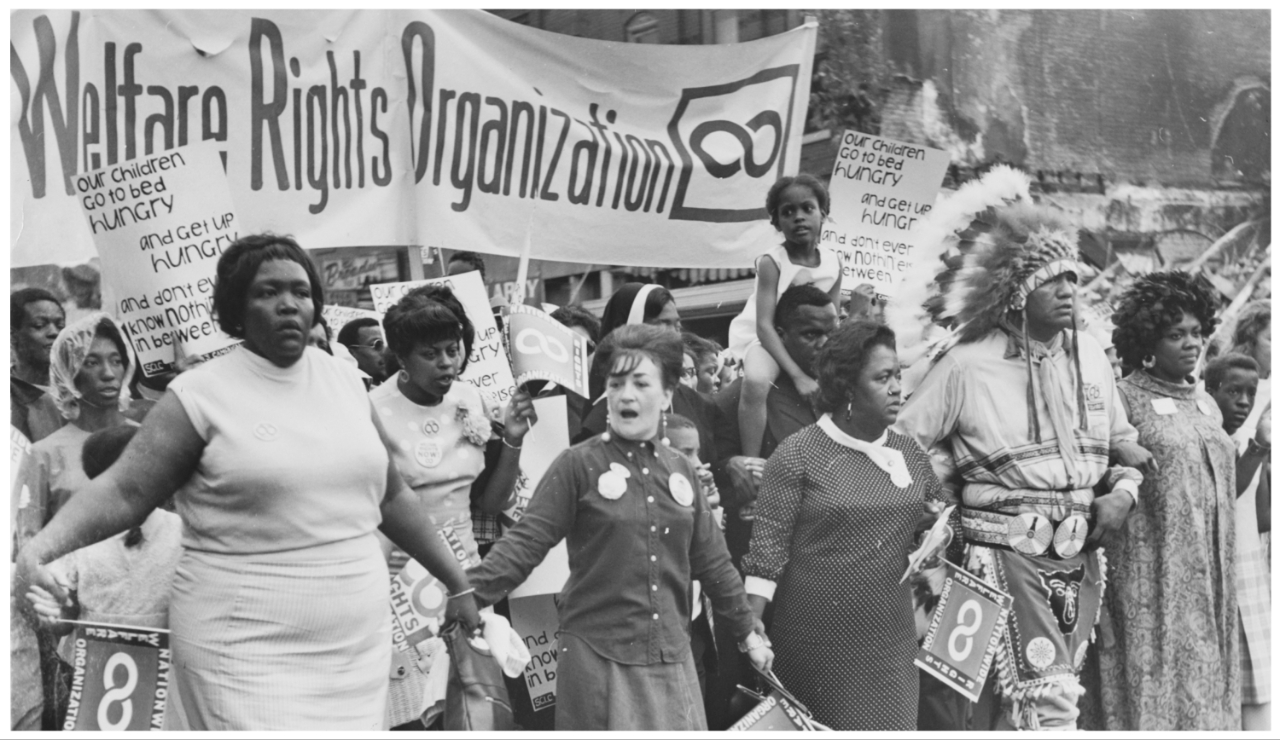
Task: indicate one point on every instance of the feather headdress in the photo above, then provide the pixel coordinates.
(941, 245)
(986, 249)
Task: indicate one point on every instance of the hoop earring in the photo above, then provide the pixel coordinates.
(404, 376)
(1149, 362)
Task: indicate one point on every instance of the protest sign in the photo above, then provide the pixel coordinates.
(120, 678)
(544, 349)
(487, 368)
(452, 129)
(774, 714)
(542, 445)
(533, 603)
(965, 630)
(417, 602)
(880, 190)
(338, 317)
(160, 225)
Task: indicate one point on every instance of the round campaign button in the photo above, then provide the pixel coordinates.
(431, 427)
(681, 489)
(428, 453)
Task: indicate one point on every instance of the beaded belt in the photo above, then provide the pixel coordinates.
(1027, 533)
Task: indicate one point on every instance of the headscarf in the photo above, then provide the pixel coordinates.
(67, 357)
(626, 306)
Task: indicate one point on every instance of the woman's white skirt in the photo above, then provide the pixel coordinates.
(281, 641)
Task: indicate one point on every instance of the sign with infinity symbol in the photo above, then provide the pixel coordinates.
(120, 678)
(544, 349)
(965, 630)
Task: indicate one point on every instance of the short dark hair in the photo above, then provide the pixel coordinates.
(790, 302)
(699, 347)
(1155, 302)
(772, 200)
(426, 315)
(19, 299)
(840, 362)
(575, 315)
(103, 448)
(676, 421)
(471, 258)
(349, 334)
(1216, 371)
(628, 345)
(239, 265)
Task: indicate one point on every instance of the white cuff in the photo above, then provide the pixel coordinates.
(756, 586)
(1129, 487)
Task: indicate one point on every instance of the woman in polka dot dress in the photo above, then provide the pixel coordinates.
(439, 429)
(836, 516)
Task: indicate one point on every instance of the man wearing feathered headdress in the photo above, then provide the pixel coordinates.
(1019, 410)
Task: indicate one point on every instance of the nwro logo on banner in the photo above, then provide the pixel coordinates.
(966, 627)
(544, 349)
(120, 678)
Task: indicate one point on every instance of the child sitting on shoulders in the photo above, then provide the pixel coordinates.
(796, 207)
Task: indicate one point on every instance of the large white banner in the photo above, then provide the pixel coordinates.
(453, 129)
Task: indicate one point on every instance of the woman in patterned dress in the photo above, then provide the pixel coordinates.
(1174, 661)
(440, 428)
(835, 519)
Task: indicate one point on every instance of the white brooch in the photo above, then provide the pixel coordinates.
(475, 427)
(681, 489)
(614, 483)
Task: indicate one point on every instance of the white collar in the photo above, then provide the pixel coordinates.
(886, 458)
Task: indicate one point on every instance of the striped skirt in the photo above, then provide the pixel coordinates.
(281, 641)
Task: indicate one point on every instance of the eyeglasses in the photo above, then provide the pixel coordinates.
(377, 346)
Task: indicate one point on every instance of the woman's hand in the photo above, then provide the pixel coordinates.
(1134, 455)
(807, 387)
(38, 582)
(928, 516)
(759, 650)
(462, 608)
(519, 416)
(49, 611)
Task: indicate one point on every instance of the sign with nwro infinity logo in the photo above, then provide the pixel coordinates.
(453, 129)
(963, 635)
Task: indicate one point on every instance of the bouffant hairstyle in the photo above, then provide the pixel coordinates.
(840, 362)
(238, 266)
(772, 200)
(1254, 319)
(1155, 302)
(426, 315)
(1217, 370)
(575, 315)
(629, 345)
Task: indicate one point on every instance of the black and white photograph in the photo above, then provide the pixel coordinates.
(622, 370)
